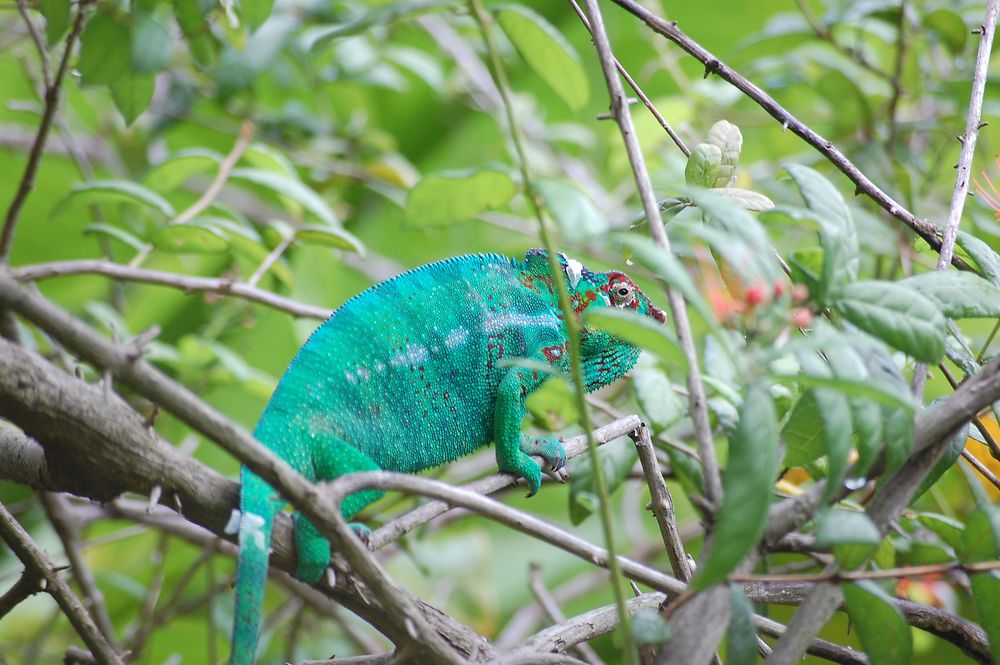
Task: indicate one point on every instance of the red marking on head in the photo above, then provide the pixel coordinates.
(553, 353)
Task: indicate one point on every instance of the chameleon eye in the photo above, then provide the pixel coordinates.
(623, 291)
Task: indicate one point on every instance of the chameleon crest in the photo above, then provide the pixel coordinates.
(413, 373)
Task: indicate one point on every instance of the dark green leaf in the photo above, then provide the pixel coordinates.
(803, 432)
(947, 529)
(105, 50)
(884, 632)
(547, 52)
(985, 591)
(616, 459)
(981, 536)
(192, 17)
(900, 316)
(56, 13)
(648, 627)
(958, 295)
(949, 458)
(741, 635)
(747, 488)
(446, 198)
(986, 258)
(132, 95)
(851, 535)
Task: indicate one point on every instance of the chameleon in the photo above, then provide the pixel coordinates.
(415, 372)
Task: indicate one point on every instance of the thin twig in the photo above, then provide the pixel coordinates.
(981, 468)
(570, 321)
(35, 560)
(27, 585)
(270, 260)
(52, 92)
(977, 422)
(674, 136)
(713, 65)
(189, 283)
(881, 574)
(897, 75)
(696, 391)
(964, 168)
(555, 613)
(36, 37)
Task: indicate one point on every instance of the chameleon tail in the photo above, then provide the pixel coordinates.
(257, 515)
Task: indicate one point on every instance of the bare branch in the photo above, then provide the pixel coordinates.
(35, 560)
(189, 283)
(555, 614)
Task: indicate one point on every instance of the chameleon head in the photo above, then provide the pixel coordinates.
(621, 292)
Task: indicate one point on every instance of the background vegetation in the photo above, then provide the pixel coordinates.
(199, 183)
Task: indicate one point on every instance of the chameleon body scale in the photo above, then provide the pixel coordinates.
(416, 372)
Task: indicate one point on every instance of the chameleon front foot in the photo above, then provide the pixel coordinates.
(362, 531)
(549, 449)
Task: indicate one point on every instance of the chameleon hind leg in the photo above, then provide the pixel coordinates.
(332, 457)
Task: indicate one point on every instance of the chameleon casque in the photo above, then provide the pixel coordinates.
(413, 373)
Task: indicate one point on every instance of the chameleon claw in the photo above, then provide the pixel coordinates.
(362, 531)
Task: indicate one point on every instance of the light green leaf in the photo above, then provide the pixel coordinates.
(572, 209)
(703, 165)
(266, 158)
(179, 167)
(851, 535)
(132, 95)
(547, 52)
(884, 632)
(948, 25)
(329, 236)
(667, 267)
(314, 39)
(747, 488)
(108, 231)
(124, 191)
(641, 331)
(152, 46)
(727, 138)
(986, 258)
(648, 627)
(657, 399)
(899, 316)
(951, 455)
(105, 50)
(835, 413)
(947, 529)
(898, 430)
(255, 12)
(803, 432)
(192, 18)
(981, 536)
(192, 237)
(744, 198)
(456, 196)
(289, 189)
(958, 295)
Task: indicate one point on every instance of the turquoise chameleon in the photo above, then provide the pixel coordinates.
(413, 373)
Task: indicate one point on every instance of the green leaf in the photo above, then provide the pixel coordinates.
(179, 167)
(985, 591)
(289, 190)
(667, 267)
(803, 432)
(727, 138)
(882, 629)
(744, 198)
(457, 196)
(101, 191)
(703, 165)
(329, 236)
(958, 295)
(572, 209)
(951, 455)
(547, 52)
(266, 158)
(838, 235)
(741, 635)
(132, 95)
(640, 331)
(314, 39)
(851, 535)
(255, 12)
(615, 460)
(192, 17)
(986, 258)
(948, 25)
(105, 50)
(947, 529)
(648, 627)
(747, 488)
(152, 46)
(192, 237)
(835, 413)
(898, 430)
(900, 316)
(981, 536)
(122, 236)
(56, 13)
(657, 399)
